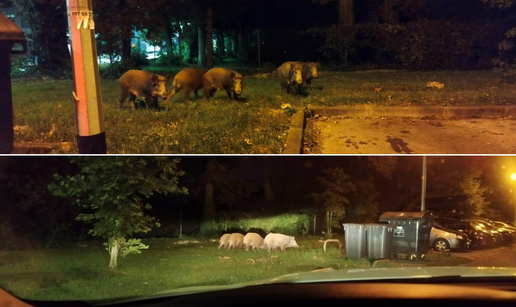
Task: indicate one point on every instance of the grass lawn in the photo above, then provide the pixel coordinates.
(82, 273)
(44, 110)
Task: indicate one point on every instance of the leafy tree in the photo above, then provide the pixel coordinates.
(506, 62)
(48, 23)
(112, 192)
(363, 206)
(337, 187)
(471, 185)
(35, 212)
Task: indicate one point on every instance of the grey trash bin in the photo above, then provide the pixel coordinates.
(379, 241)
(355, 241)
(411, 232)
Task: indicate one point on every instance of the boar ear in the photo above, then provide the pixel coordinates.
(155, 78)
(292, 66)
(232, 75)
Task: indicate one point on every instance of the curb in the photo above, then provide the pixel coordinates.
(294, 144)
(439, 112)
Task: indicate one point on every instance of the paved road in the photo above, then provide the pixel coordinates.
(497, 257)
(397, 135)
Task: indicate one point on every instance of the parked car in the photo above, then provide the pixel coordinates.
(507, 234)
(504, 225)
(479, 238)
(482, 225)
(442, 238)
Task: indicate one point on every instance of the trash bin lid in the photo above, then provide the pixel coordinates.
(10, 33)
(422, 215)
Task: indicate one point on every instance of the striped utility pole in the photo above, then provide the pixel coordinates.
(91, 137)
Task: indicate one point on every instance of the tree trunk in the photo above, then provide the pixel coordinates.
(194, 49)
(209, 37)
(208, 216)
(346, 13)
(113, 253)
(390, 14)
(179, 41)
(235, 44)
(242, 46)
(267, 187)
(201, 35)
(127, 34)
(169, 40)
(220, 45)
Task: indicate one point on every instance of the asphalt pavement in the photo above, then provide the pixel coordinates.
(402, 135)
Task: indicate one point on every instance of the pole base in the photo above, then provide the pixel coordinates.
(92, 144)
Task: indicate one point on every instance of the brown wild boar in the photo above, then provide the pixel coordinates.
(310, 72)
(137, 83)
(222, 79)
(224, 240)
(188, 79)
(291, 76)
(235, 240)
(254, 240)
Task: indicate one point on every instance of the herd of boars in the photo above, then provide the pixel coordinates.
(254, 240)
(139, 83)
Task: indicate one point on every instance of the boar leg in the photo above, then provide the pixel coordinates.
(132, 99)
(228, 91)
(309, 83)
(196, 95)
(187, 94)
(148, 101)
(172, 93)
(121, 99)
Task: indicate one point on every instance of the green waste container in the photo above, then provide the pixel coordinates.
(355, 241)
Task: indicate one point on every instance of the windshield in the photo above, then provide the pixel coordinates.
(93, 228)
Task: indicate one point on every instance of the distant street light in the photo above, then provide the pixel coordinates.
(513, 177)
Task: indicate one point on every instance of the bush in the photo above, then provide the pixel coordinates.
(138, 58)
(287, 223)
(421, 45)
(24, 66)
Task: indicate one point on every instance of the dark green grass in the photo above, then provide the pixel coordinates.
(44, 110)
(83, 273)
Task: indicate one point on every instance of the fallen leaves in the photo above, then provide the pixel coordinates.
(434, 84)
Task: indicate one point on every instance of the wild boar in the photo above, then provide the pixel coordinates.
(188, 79)
(254, 240)
(274, 240)
(223, 79)
(235, 240)
(224, 240)
(310, 72)
(137, 83)
(291, 76)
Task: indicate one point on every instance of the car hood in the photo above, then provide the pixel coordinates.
(350, 275)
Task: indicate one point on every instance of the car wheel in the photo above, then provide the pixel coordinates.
(441, 245)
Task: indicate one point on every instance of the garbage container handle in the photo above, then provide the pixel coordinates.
(23, 43)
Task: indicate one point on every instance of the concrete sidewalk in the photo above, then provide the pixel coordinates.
(407, 130)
